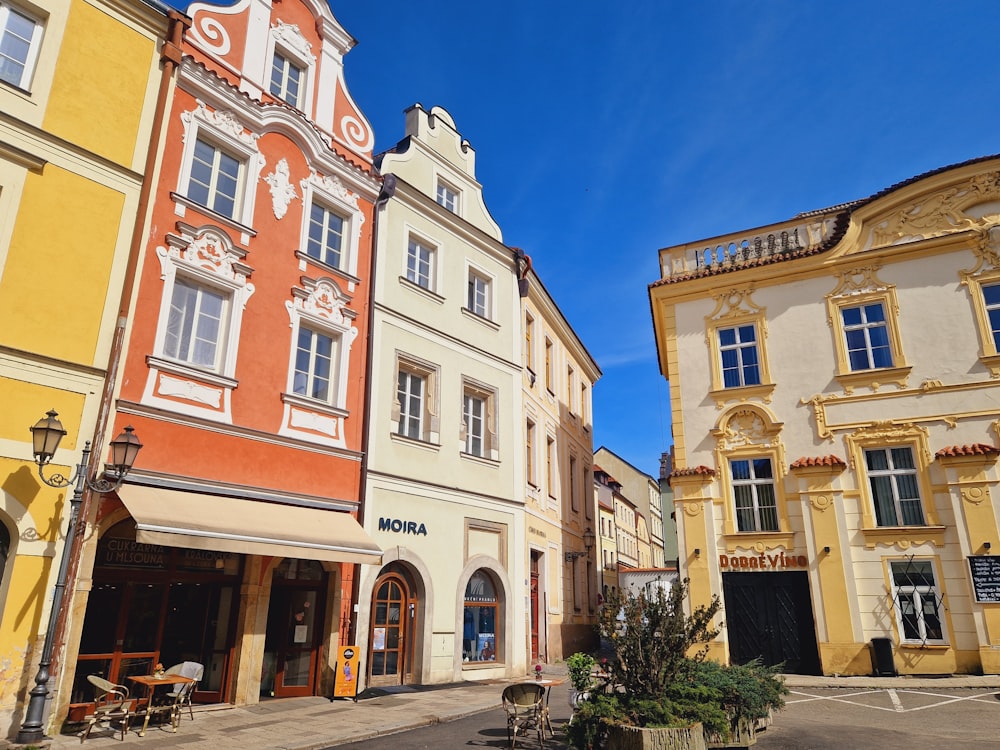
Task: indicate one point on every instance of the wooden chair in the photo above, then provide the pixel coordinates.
(524, 704)
(112, 703)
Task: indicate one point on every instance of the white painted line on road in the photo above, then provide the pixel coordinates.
(896, 703)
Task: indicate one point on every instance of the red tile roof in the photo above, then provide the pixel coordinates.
(976, 449)
(703, 470)
(807, 461)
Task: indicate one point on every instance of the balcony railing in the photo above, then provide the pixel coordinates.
(736, 251)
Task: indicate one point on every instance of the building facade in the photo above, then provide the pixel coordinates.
(607, 536)
(61, 281)
(644, 492)
(841, 497)
(558, 379)
(443, 485)
(234, 542)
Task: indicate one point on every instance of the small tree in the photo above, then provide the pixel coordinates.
(652, 639)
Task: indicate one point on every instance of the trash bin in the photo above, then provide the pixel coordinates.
(883, 664)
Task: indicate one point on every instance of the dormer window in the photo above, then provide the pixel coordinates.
(447, 196)
(286, 80)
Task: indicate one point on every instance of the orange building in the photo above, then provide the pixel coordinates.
(234, 542)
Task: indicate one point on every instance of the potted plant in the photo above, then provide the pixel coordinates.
(579, 665)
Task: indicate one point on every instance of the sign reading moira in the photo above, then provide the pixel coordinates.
(401, 527)
(763, 561)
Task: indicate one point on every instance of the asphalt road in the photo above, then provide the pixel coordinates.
(813, 719)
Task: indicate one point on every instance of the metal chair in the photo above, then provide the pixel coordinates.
(524, 704)
(112, 703)
(181, 692)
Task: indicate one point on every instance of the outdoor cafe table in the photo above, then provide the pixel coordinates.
(548, 683)
(152, 682)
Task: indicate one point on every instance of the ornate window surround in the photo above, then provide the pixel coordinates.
(736, 308)
(331, 194)
(888, 435)
(985, 273)
(432, 417)
(861, 286)
(322, 306)
(205, 255)
(223, 129)
(750, 431)
(287, 40)
(491, 443)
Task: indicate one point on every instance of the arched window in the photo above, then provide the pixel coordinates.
(481, 615)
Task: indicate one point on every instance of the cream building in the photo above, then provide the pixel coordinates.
(560, 512)
(444, 488)
(644, 492)
(607, 537)
(839, 490)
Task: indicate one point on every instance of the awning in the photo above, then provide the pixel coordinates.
(250, 527)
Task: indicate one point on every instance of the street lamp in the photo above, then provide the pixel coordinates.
(588, 544)
(46, 435)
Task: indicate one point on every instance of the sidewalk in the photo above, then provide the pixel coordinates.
(314, 722)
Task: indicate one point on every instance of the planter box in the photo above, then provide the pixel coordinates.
(742, 734)
(656, 738)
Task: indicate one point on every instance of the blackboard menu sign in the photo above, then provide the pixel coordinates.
(985, 577)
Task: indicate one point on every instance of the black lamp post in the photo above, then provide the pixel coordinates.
(46, 435)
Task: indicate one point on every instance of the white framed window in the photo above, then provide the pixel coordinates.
(315, 355)
(195, 324)
(739, 355)
(447, 196)
(550, 465)
(20, 40)
(325, 239)
(414, 408)
(478, 433)
(892, 476)
(529, 342)
(529, 453)
(991, 301)
(917, 602)
(866, 335)
(480, 294)
(215, 178)
(420, 263)
(287, 79)
(219, 162)
(753, 494)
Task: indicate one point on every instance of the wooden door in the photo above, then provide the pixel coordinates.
(534, 607)
(292, 641)
(389, 632)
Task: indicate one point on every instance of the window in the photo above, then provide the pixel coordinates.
(474, 418)
(414, 410)
(583, 404)
(572, 483)
(529, 453)
(195, 324)
(991, 297)
(548, 365)
(529, 342)
(481, 616)
(325, 240)
(447, 196)
(420, 264)
(20, 38)
(215, 179)
(479, 294)
(478, 419)
(570, 389)
(411, 394)
(740, 360)
(286, 79)
(867, 337)
(917, 601)
(550, 463)
(315, 356)
(753, 491)
(895, 490)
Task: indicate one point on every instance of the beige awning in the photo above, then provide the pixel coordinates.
(250, 527)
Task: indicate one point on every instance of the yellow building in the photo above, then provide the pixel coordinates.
(73, 152)
(835, 386)
(560, 509)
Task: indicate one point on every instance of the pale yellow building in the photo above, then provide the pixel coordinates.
(834, 388)
(73, 152)
(644, 492)
(560, 513)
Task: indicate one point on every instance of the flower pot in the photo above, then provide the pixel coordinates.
(621, 737)
(576, 697)
(742, 733)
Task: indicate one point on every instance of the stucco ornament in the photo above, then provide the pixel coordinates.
(282, 190)
(212, 34)
(223, 120)
(290, 37)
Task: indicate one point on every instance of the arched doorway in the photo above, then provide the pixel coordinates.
(294, 629)
(391, 630)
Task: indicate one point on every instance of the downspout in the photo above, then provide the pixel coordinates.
(388, 190)
(170, 57)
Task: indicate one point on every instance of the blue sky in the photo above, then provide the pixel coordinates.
(605, 131)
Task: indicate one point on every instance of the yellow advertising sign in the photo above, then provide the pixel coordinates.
(345, 684)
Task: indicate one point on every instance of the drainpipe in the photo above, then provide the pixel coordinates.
(170, 57)
(388, 190)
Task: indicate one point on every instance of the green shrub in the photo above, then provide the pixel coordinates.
(747, 691)
(580, 666)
